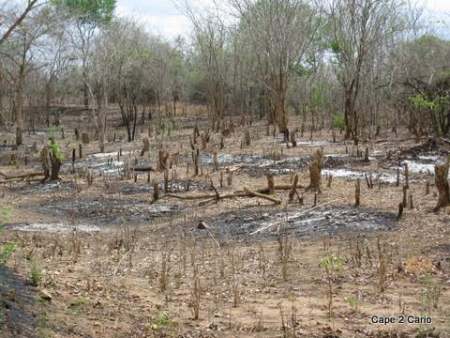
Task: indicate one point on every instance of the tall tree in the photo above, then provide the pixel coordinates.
(279, 32)
(360, 29)
(87, 16)
(31, 4)
(22, 53)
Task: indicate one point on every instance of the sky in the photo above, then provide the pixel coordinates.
(164, 18)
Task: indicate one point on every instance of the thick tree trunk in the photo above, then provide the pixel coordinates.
(441, 178)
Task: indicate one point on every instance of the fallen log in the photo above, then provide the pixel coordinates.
(279, 187)
(22, 176)
(143, 169)
(214, 197)
(263, 196)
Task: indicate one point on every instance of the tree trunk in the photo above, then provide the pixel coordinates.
(441, 178)
(348, 113)
(19, 106)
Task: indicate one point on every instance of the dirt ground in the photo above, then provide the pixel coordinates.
(105, 260)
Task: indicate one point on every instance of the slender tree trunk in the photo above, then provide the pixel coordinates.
(348, 113)
(19, 106)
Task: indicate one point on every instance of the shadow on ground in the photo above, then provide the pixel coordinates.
(17, 318)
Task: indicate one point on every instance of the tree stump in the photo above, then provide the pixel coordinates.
(406, 175)
(163, 156)
(293, 191)
(400, 211)
(229, 177)
(270, 184)
(366, 155)
(405, 195)
(314, 172)
(215, 161)
(195, 161)
(358, 193)
(44, 155)
(441, 179)
(155, 192)
(293, 136)
(146, 146)
(166, 181)
(247, 138)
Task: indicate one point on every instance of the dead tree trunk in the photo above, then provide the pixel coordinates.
(358, 193)
(270, 184)
(162, 160)
(146, 146)
(441, 177)
(51, 161)
(315, 172)
(293, 191)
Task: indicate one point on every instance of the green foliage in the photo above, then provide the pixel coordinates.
(161, 321)
(56, 150)
(421, 103)
(301, 70)
(88, 11)
(331, 264)
(7, 249)
(335, 47)
(318, 98)
(338, 121)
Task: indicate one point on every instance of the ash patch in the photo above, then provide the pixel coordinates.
(52, 227)
(351, 175)
(108, 211)
(280, 167)
(106, 163)
(323, 220)
(25, 188)
(259, 165)
(238, 159)
(175, 186)
(341, 160)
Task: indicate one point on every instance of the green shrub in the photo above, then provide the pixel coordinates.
(56, 150)
(338, 122)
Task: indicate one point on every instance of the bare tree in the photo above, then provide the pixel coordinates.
(31, 4)
(211, 36)
(279, 33)
(359, 30)
(22, 55)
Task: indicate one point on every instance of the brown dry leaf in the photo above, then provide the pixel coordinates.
(418, 265)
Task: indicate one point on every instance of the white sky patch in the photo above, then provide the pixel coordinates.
(164, 18)
(165, 21)
(442, 6)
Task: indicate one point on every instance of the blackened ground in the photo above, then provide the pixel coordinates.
(307, 222)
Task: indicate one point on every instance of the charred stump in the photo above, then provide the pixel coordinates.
(441, 179)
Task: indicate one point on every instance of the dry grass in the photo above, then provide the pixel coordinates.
(164, 277)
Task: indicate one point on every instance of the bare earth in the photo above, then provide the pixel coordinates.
(107, 262)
